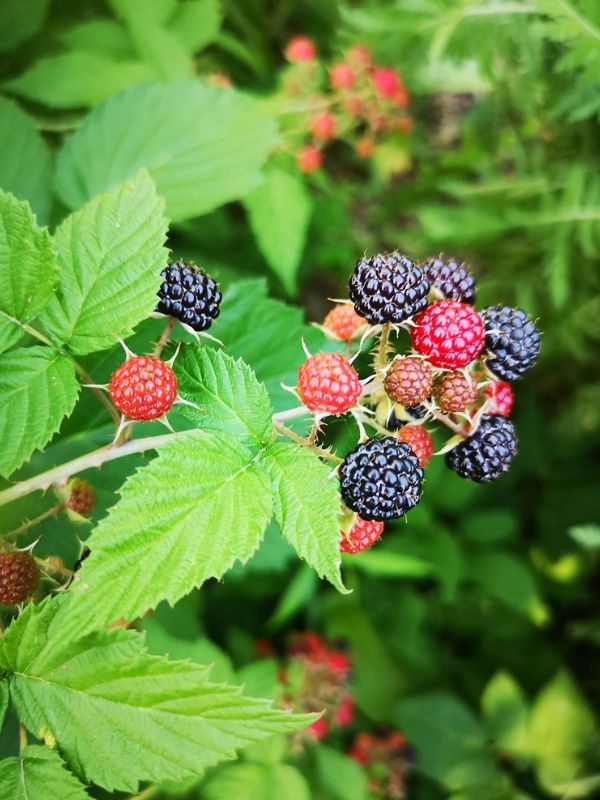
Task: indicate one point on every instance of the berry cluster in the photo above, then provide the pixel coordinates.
(358, 103)
(448, 376)
(387, 760)
(317, 678)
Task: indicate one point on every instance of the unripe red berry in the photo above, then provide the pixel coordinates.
(328, 383)
(362, 535)
(408, 381)
(19, 576)
(359, 55)
(300, 49)
(419, 440)
(353, 106)
(365, 147)
(448, 333)
(143, 388)
(455, 391)
(401, 97)
(318, 730)
(342, 76)
(323, 126)
(502, 397)
(309, 159)
(343, 322)
(82, 497)
(345, 711)
(386, 82)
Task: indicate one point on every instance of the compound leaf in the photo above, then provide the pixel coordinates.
(38, 774)
(111, 253)
(205, 146)
(307, 507)
(38, 388)
(230, 397)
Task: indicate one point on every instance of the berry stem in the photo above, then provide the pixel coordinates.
(164, 337)
(291, 413)
(22, 737)
(87, 378)
(51, 512)
(145, 794)
(448, 422)
(320, 451)
(50, 567)
(94, 459)
(382, 351)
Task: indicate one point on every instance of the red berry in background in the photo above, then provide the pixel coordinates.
(300, 49)
(345, 711)
(448, 333)
(143, 388)
(386, 82)
(419, 440)
(343, 321)
(353, 106)
(402, 124)
(365, 147)
(361, 536)
(328, 383)
(408, 381)
(342, 76)
(322, 126)
(359, 55)
(19, 576)
(309, 159)
(455, 391)
(318, 730)
(502, 397)
(338, 662)
(401, 97)
(82, 497)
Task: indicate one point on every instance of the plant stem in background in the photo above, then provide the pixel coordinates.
(51, 512)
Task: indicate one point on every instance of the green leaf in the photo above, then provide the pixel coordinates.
(203, 503)
(510, 581)
(279, 211)
(230, 397)
(506, 714)
(297, 594)
(28, 268)
(206, 146)
(26, 166)
(104, 36)
(78, 78)
(588, 536)
(450, 743)
(197, 23)
(111, 253)
(341, 777)
(386, 563)
(3, 701)
(119, 715)
(38, 774)
(19, 20)
(307, 506)
(38, 388)
(561, 725)
(257, 782)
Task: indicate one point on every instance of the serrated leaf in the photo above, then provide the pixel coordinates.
(38, 773)
(19, 21)
(196, 23)
(279, 211)
(307, 506)
(203, 503)
(119, 715)
(26, 166)
(203, 146)
(38, 388)
(230, 397)
(28, 268)
(111, 254)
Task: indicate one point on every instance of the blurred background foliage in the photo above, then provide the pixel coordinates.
(474, 628)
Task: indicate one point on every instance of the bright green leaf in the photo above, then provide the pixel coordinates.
(28, 268)
(38, 388)
(307, 507)
(588, 536)
(38, 774)
(204, 146)
(196, 23)
(119, 715)
(203, 503)
(505, 578)
(26, 166)
(506, 714)
(105, 36)
(340, 775)
(279, 211)
(111, 253)
(257, 782)
(229, 396)
(386, 563)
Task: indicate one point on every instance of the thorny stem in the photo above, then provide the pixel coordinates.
(291, 413)
(94, 459)
(98, 392)
(51, 512)
(320, 451)
(164, 337)
(381, 358)
(448, 422)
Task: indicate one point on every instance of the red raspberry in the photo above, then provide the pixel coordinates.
(322, 126)
(386, 82)
(309, 159)
(341, 76)
(82, 497)
(343, 321)
(328, 383)
(448, 333)
(365, 147)
(408, 381)
(361, 536)
(143, 388)
(318, 730)
(299, 49)
(454, 391)
(345, 711)
(502, 398)
(359, 55)
(338, 662)
(419, 440)
(19, 576)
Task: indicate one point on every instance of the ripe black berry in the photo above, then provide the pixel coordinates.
(512, 341)
(190, 295)
(415, 413)
(488, 453)
(388, 287)
(453, 280)
(381, 479)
